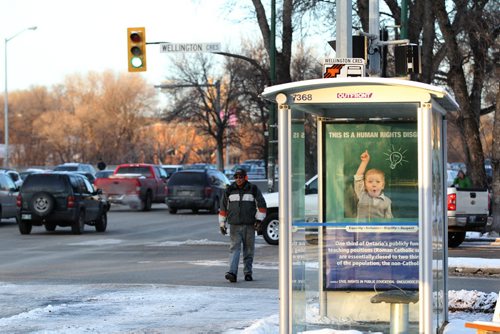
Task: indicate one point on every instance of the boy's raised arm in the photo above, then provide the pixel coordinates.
(365, 158)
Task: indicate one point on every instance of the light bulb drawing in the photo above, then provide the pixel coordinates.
(396, 157)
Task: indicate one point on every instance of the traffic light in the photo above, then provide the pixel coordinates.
(136, 42)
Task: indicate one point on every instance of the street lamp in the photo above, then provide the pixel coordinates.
(6, 99)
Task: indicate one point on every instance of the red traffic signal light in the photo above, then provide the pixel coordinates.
(136, 44)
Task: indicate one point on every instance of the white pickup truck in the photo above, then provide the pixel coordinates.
(270, 225)
(468, 210)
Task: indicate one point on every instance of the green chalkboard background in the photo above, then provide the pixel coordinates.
(393, 148)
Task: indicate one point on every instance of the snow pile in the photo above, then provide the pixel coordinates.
(472, 301)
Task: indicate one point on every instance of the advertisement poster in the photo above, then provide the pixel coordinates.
(371, 206)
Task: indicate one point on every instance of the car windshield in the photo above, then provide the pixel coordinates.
(44, 182)
(187, 178)
(452, 174)
(134, 170)
(103, 174)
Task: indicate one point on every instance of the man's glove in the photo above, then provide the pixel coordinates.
(258, 226)
(223, 228)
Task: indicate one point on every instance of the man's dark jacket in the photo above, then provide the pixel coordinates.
(242, 206)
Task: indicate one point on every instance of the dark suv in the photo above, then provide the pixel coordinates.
(196, 189)
(60, 199)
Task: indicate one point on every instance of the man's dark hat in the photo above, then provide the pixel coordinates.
(240, 171)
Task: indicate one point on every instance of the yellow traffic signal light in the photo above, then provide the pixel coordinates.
(136, 42)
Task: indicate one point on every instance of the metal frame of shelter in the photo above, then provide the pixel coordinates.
(322, 277)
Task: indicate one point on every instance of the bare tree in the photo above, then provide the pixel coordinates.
(202, 98)
(26, 107)
(469, 36)
(84, 119)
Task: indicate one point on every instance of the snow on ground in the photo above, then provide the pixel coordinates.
(154, 309)
(109, 308)
(69, 309)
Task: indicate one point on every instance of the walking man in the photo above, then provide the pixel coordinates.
(243, 208)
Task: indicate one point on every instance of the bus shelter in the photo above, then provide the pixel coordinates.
(354, 256)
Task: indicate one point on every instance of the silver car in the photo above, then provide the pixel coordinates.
(8, 196)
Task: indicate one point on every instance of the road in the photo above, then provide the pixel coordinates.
(153, 248)
(138, 247)
(476, 248)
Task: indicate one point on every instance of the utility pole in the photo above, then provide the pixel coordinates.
(271, 126)
(344, 29)
(6, 98)
(404, 19)
(374, 31)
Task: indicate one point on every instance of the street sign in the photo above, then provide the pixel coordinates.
(343, 67)
(190, 47)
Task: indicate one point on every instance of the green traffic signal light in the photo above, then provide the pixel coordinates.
(136, 41)
(136, 62)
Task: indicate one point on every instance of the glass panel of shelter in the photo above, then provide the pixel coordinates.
(355, 257)
(438, 199)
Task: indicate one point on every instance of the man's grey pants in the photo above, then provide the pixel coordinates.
(241, 235)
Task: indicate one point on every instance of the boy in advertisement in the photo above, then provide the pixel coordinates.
(369, 186)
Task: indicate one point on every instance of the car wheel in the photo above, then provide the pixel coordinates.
(215, 207)
(78, 225)
(195, 210)
(50, 227)
(172, 210)
(270, 228)
(42, 204)
(101, 223)
(147, 203)
(312, 238)
(24, 227)
(455, 239)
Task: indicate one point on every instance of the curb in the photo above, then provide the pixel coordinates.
(462, 271)
(493, 240)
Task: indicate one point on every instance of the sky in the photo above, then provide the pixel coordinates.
(154, 308)
(74, 37)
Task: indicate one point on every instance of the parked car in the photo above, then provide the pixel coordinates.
(8, 196)
(230, 172)
(14, 175)
(171, 169)
(270, 225)
(256, 173)
(135, 185)
(60, 199)
(468, 210)
(75, 167)
(200, 166)
(257, 162)
(197, 189)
